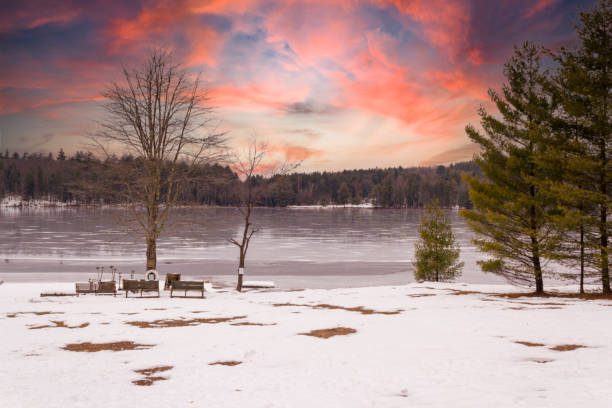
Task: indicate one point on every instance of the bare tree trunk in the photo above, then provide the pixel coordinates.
(538, 275)
(603, 221)
(240, 269)
(605, 267)
(581, 258)
(535, 249)
(151, 253)
(537, 267)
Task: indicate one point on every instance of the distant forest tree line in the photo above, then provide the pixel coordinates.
(83, 178)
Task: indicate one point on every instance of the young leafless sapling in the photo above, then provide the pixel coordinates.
(248, 166)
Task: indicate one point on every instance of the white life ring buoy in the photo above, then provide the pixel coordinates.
(151, 275)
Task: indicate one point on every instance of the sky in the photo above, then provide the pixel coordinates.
(337, 84)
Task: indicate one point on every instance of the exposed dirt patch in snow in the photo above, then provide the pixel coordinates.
(153, 370)
(182, 322)
(148, 381)
(60, 324)
(557, 295)
(533, 295)
(226, 363)
(15, 314)
(149, 377)
(459, 292)
(403, 393)
(115, 346)
(567, 347)
(540, 360)
(327, 333)
(418, 295)
(358, 309)
(530, 344)
(156, 308)
(252, 324)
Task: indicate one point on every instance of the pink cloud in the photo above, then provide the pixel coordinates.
(538, 7)
(446, 23)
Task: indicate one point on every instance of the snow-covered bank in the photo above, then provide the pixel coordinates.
(330, 206)
(414, 345)
(13, 201)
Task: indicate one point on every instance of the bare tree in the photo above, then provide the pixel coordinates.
(161, 116)
(248, 166)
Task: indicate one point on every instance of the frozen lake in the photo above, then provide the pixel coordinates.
(310, 247)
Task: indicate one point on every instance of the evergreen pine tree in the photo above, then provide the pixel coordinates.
(344, 194)
(584, 82)
(568, 176)
(29, 187)
(511, 214)
(436, 252)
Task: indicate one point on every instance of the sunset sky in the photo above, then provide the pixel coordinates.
(338, 84)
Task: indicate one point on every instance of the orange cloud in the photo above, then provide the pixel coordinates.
(151, 28)
(458, 83)
(294, 152)
(10, 105)
(256, 96)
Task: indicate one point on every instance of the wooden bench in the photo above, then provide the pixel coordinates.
(106, 288)
(187, 286)
(171, 277)
(97, 288)
(141, 286)
(85, 287)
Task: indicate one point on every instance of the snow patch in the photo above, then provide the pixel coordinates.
(15, 201)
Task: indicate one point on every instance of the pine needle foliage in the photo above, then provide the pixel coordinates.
(584, 84)
(512, 215)
(436, 251)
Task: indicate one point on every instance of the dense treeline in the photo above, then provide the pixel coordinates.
(546, 194)
(85, 179)
(389, 188)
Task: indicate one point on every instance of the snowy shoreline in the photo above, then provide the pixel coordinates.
(16, 202)
(434, 345)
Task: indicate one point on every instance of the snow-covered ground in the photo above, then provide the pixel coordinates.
(330, 206)
(14, 201)
(445, 348)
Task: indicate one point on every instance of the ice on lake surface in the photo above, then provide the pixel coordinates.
(356, 242)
